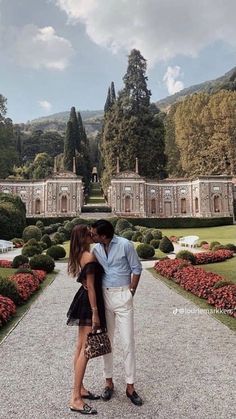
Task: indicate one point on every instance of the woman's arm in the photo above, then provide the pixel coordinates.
(93, 302)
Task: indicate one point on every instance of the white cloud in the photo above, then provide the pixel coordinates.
(170, 77)
(34, 47)
(47, 106)
(160, 29)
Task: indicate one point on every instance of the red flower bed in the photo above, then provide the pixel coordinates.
(212, 257)
(224, 298)
(27, 284)
(7, 309)
(196, 280)
(40, 275)
(200, 283)
(5, 264)
(167, 267)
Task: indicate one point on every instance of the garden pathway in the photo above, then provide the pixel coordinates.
(185, 362)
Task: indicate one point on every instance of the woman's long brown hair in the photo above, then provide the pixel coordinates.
(78, 244)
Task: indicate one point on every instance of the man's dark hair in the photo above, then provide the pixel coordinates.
(104, 228)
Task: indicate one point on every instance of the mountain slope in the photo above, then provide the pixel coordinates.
(228, 82)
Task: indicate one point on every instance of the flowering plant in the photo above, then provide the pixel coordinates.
(7, 309)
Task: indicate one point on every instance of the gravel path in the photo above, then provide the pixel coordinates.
(185, 365)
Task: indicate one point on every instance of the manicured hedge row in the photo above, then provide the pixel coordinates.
(180, 222)
(96, 209)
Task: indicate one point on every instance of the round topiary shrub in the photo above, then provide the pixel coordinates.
(157, 234)
(19, 260)
(29, 250)
(218, 247)
(32, 242)
(31, 232)
(43, 245)
(46, 239)
(59, 238)
(8, 288)
(17, 242)
(145, 251)
(137, 236)
(212, 244)
(42, 262)
(40, 225)
(63, 232)
(155, 243)
(202, 243)
(68, 227)
(166, 246)
(56, 252)
(186, 255)
(48, 230)
(231, 246)
(123, 224)
(127, 234)
(148, 237)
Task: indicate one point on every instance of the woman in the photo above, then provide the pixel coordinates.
(86, 310)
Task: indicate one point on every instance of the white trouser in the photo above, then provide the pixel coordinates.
(119, 310)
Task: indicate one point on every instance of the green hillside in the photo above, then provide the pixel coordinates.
(228, 82)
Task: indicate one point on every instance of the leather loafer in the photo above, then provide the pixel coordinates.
(134, 397)
(107, 393)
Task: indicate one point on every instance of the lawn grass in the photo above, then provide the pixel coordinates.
(227, 269)
(5, 272)
(22, 310)
(228, 321)
(223, 234)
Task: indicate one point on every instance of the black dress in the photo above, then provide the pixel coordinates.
(80, 313)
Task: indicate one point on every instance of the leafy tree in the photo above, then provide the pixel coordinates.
(8, 155)
(133, 127)
(205, 129)
(50, 142)
(12, 216)
(172, 151)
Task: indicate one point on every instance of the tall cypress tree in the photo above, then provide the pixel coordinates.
(83, 160)
(75, 128)
(69, 147)
(133, 127)
(112, 93)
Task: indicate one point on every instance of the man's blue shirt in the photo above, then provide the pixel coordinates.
(120, 262)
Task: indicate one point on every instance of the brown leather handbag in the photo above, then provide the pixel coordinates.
(97, 344)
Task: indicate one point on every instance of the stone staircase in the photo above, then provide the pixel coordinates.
(96, 202)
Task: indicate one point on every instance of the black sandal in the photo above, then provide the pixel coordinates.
(91, 396)
(87, 410)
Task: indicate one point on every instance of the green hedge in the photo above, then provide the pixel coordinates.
(95, 209)
(181, 222)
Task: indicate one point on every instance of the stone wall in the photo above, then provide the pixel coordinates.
(59, 195)
(206, 196)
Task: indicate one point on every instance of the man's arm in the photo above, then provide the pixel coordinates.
(135, 266)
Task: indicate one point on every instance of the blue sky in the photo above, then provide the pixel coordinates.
(55, 54)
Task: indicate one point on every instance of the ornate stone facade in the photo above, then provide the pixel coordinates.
(207, 196)
(59, 195)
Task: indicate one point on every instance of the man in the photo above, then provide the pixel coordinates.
(122, 272)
